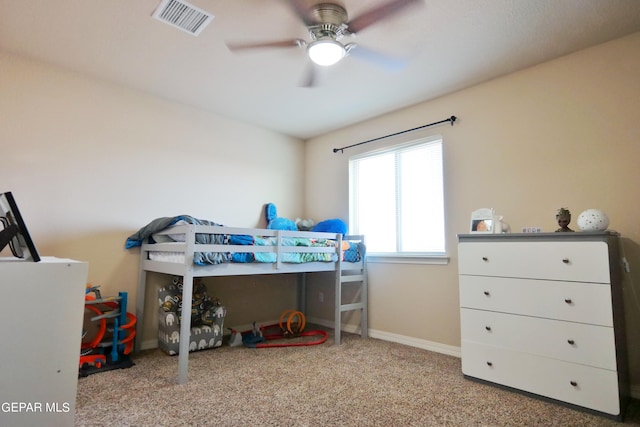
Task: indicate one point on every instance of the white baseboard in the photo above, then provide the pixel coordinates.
(416, 342)
(400, 339)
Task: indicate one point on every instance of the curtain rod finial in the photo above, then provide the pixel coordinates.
(452, 119)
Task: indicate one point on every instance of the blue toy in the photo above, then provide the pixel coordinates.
(334, 225)
(276, 223)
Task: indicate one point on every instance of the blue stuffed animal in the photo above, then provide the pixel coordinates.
(334, 225)
(276, 223)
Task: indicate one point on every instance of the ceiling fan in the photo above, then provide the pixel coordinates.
(328, 23)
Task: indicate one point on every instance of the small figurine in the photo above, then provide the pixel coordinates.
(563, 216)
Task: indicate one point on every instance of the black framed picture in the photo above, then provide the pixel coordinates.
(14, 230)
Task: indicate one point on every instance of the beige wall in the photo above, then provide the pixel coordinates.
(89, 163)
(562, 134)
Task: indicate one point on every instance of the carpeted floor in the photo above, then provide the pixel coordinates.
(362, 382)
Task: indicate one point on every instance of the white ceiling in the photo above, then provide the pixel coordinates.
(449, 45)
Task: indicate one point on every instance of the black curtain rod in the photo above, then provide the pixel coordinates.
(450, 119)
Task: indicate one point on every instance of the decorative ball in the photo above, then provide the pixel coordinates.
(593, 220)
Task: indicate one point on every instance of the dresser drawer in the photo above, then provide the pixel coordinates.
(573, 261)
(576, 302)
(569, 341)
(585, 386)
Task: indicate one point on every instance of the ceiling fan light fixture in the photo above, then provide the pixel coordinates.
(325, 52)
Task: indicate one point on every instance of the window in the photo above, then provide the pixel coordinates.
(397, 199)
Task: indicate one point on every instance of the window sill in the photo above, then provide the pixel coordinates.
(431, 259)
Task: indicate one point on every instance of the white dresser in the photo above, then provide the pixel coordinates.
(543, 313)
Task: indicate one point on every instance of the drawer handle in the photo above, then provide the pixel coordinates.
(486, 293)
(488, 328)
(572, 342)
(484, 258)
(566, 260)
(489, 363)
(573, 383)
(568, 301)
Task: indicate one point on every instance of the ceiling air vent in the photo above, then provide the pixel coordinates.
(182, 15)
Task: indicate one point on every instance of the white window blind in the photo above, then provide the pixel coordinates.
(397, 198)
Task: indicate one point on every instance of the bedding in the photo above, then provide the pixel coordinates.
(159, 224)
(155, 232)
(150, 234)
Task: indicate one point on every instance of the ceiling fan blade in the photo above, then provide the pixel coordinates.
(379, 13)
(262, 45)
(301, 8)
(379, 59)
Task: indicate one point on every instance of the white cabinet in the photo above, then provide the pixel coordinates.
(543, 313)
(42, 317)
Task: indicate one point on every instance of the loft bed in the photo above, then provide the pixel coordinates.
(188, 247)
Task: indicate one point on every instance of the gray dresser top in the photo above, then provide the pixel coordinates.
(580, 236)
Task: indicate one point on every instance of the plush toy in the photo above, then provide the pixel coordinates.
(276, 223)
(334, 225)
(304, 224)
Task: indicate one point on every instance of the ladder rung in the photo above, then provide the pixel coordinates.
(354, 278)
(354, 306)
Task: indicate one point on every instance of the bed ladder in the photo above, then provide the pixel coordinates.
(347, 275)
